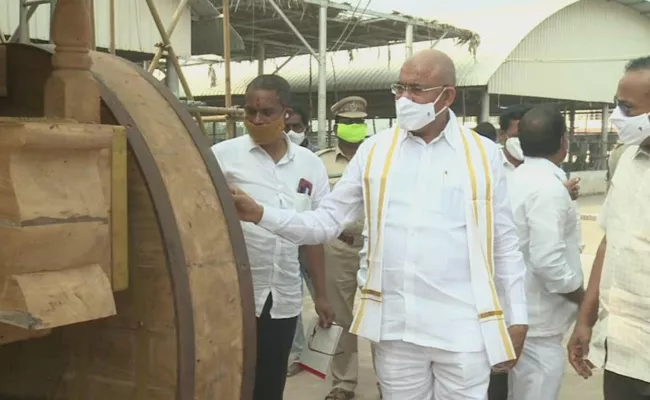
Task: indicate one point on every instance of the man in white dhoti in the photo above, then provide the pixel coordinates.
(439, 241)
(549, 233)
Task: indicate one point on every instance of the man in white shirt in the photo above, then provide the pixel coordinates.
(549, 236)
(276, 173)
(618, 294)
(439, 237)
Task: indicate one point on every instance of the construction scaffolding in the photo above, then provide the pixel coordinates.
(326, 26)
(259, 30)
(163, 49)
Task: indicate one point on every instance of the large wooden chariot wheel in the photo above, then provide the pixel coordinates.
(185, 327)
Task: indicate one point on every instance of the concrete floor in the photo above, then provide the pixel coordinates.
(305, 386)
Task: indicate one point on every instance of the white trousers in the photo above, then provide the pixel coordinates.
(410, 372)
(538, 373)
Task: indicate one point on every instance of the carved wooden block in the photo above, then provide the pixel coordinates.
(56, 225)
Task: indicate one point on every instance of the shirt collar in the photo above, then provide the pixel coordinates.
(339, 153)
(291, 148)
(539, 162)
(451, 133)
(641, 152)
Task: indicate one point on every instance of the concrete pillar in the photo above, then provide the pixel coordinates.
(605, 133)
(485, 106)
(409, 40)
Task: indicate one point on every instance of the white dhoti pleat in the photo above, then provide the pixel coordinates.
(538, 373)
(410, 372)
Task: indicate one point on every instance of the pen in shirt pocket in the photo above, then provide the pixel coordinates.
(304, 187)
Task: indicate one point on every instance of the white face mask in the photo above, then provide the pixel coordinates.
(413, 116)
(631, 130)
(513, 147)
(296, 137)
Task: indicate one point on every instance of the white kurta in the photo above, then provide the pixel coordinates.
(550, 242)
(423, 267)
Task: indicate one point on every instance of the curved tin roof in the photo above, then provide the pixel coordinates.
(375, 68)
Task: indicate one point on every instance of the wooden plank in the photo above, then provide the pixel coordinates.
(44, 300)
(119, 212)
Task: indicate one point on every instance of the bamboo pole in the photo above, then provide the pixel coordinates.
(170, 30)
(222, 118)
(111, 23)
(230, 131)
(172, 54)
(91, 11)
(215, 118)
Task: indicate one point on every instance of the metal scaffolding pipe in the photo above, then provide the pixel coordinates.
(409, 40)
(294, 29)
(322, 75)
(260, 58)
(285, 63)
(209, 110)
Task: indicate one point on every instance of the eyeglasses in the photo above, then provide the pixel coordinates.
(311, 338)
(399, 89)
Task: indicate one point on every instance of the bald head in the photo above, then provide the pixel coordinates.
(432, 65)
(541, 132)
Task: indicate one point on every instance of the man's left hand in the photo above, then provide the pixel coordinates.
(324, 311)
(517, 336)
(573, 188)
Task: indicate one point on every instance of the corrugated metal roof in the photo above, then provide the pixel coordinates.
(207, 30)
(257, 21)
(377, 68)
(358, 70)
(642, 6)
(136, 30)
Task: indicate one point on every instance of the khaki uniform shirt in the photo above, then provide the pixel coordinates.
(625, 281)
(335, 163)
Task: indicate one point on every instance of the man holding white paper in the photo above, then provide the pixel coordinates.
(439, 241)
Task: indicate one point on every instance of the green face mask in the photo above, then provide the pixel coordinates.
(352, 133)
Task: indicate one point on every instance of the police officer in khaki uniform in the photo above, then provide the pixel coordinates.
(342, 254)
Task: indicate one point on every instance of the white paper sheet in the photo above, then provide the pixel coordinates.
(321, 346)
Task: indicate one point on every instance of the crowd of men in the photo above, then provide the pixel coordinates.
(466, 252)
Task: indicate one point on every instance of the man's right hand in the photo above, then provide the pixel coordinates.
(247, 209)
(578, 348)
(572, 185)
